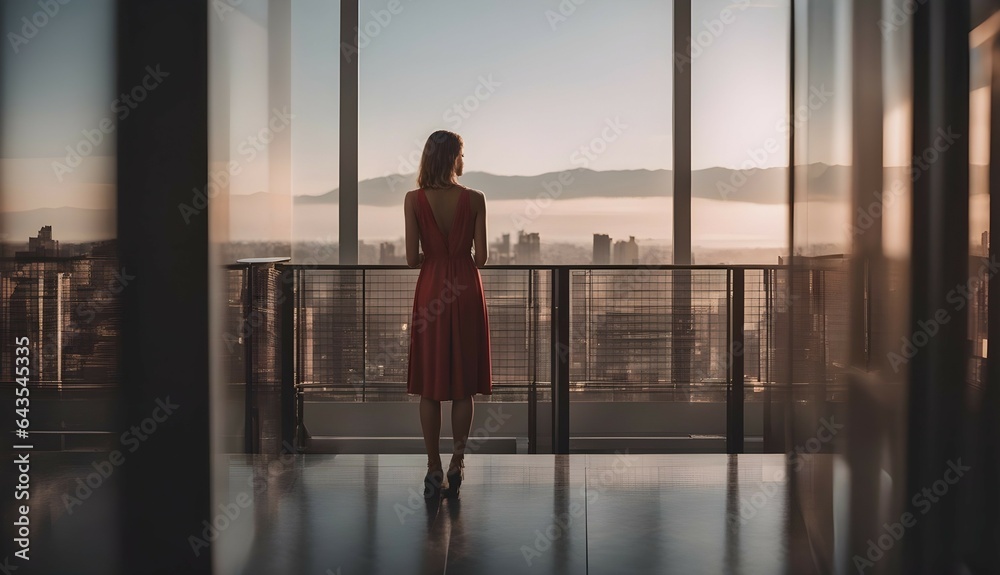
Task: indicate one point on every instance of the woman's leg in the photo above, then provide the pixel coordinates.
(461, 424)
(430, 423)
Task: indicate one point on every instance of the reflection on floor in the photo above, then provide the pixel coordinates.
(593, 514)
(364, 514)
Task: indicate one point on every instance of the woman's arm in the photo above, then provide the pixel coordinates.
(413, 256)
(479, 234)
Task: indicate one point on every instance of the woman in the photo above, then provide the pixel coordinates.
(449, 334)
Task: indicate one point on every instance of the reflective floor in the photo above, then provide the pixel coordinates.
(593, 514)
(365, 514)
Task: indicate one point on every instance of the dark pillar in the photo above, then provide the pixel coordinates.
(162, 158)
(349, 21)
(682, 132)
(682, 335)
(940, 256)
(867, 423)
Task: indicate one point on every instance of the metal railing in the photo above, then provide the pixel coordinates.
(559, 334)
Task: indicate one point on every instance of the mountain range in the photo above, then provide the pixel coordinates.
(765, 186)
(826, 183)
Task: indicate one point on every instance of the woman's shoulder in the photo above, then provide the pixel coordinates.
(478, 194)
(410, 197)
(477, 200)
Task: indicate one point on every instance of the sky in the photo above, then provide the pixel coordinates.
(536, 88)
(533, 86)
(530, 85)
(56, 84)
(560, 76)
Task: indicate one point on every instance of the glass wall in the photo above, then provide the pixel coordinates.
(60, 278)
(60, 105)
(252, 126)
(274, 156)
(814, 321)
(315, 65)
(565, 123)
(739, 131)
(980, 96)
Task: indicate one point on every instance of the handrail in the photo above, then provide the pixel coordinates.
(694, 267)
(289, 313)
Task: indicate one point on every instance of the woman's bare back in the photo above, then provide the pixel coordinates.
(444, 205)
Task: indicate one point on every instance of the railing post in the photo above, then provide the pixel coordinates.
(734, 391)
(682, 335)
(286, 311)
(560, 360)
(532, 365)
(249, 413)
(301, 433)
(766, 368)
(364, 335)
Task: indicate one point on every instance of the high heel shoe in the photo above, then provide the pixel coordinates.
(433, 479)
(456, 473)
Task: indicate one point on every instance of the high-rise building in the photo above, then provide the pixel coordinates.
(500, 250)
(528, 250)
(41, 245)
(602, 249)
(626, 253)
(68, 307)
(387, 255)
(367, 253)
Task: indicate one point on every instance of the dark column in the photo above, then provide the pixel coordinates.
(682, 335)
(349, 21)
(940, 255)
(682, 132)
(867, 423)
(784, 323)
(779, 404)
(162, 158)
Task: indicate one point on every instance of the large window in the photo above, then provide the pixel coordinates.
(275, 128)
(61, 107)
(60, 111)
(980, 98)
(568, 128)
(822, 119)
(739, 131)
(316, 54)
(565, 113)
(979, 145)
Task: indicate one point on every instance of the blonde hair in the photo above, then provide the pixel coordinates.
(437, 164)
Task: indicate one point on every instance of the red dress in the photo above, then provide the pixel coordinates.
(450, 331)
